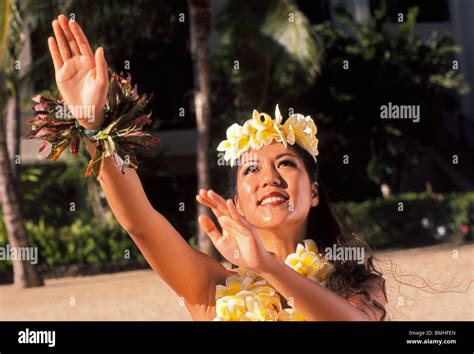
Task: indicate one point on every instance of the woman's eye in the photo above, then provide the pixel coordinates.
(287, 163)
(250, 169)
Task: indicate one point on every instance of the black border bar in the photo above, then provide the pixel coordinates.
(295, 337)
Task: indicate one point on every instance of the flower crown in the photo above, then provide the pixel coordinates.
(262, 130)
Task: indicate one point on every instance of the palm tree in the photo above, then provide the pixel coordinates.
(13, 102)
(275, 31)
(276, 47)
(24, 273)
(199, 12)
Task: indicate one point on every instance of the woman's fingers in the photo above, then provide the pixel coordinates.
(205, 202)
(101, 65)
(63, 22)
(209, 228)
(54, 50)
(218, 201)
(216, 198)
(228, 223)
(81, 39)
(234, 212)
(203, 196)
(212, 204)
(61, 40)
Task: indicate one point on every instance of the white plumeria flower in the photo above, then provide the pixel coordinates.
(255, 133)
(306, 261)
(230, 308)
(305, 132)
(248, 297)
(290, 315)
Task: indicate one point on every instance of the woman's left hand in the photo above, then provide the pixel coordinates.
(238, 242)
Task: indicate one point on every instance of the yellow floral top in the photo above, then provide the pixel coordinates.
(248, 297)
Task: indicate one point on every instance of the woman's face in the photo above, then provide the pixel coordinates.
(273, 187)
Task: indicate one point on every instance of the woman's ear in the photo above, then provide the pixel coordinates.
(314, 194)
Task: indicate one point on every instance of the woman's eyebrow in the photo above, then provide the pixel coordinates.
(286, 153)
(277, 157)
(249, 160)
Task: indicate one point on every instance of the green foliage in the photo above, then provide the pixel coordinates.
(81, 242)
(387, 62)
(64, 236)
(381, 223)
(373, 63)
(266, 46)
(13, 46)
(48, 189)
(127, 30)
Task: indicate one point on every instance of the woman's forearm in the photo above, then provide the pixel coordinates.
(315, 302)
(124, 193)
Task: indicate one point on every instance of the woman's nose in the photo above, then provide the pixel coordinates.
(270, 177)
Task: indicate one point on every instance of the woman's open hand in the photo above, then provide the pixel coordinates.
(81, 76)
(238, 242)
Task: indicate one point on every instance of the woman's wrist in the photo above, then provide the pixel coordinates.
(92, 123)
(268, 264)
(118, 139)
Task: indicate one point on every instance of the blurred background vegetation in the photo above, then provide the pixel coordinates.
(307, 56)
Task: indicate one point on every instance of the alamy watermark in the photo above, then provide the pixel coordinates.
(339, 253)
(72, 111)
(19, 253)
(249, 157)
(37, 337)
(395, 111)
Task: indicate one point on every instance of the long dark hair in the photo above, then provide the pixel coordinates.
(326, 228)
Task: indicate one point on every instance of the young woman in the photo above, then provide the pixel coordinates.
(275, 202)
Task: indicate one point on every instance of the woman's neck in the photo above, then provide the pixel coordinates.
(283, 241)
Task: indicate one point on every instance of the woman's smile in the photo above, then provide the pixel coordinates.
(271, 199)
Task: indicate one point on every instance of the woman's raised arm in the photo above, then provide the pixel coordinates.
(189, 272)
(82, 81)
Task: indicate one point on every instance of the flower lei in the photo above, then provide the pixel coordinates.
(262, 130)
(248, 297)
(120, 136)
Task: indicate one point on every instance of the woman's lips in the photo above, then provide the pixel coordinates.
(272, 201)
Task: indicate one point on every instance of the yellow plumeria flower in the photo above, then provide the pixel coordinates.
(230, 146)
(257, 311)
(281, 138)
(290, 315)
(259, 301)
(247, 306)
(230, 308)
(248, 297)
(263, 130)
(250, 133)
(304, 131)
(306, 261)
(233, 285)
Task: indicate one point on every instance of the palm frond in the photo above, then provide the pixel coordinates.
(287, 26)
(12, 28)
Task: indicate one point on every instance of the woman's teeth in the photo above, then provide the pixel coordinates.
(272, 200)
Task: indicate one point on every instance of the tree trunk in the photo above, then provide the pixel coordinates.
(24, 273)
(100, 213)
(13, 131)
(199, 12)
